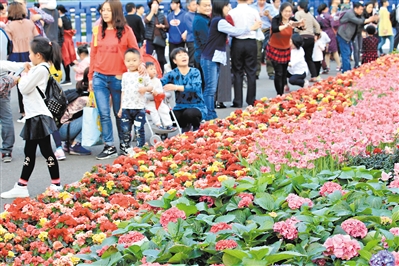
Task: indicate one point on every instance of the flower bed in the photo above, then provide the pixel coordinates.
(264, 185)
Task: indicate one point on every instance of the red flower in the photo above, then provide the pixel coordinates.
(171, 215)
(226, 244)
(220, 226)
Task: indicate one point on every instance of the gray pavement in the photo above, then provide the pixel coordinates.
(73, 168)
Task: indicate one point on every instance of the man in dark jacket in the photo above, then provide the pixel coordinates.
(135, 22)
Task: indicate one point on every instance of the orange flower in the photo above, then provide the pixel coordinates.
(57, 245)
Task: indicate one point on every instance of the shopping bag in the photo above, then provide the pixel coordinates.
(91, 126)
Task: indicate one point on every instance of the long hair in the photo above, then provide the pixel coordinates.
(217, 7)
(282, 7)
(118, 19)
(50, 51)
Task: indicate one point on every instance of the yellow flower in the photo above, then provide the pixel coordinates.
(3, 215)
(264, 99)
(171, 191)
(230, 139)
(239, 172)
(10, 254)
(222, 178)
(274, 119)
(43, 236)
(149, 175)
(273, 214)
(141, 162)
(218, 155)
(143, 168)
(333, 93)
(212, 168)
(8, 236)
(320, 95)
(146, 188)
(136, 155)
(2, 230)
(117, 222)
(98, 238)
(64, 195)
(86, 205)
(319, 108)
(262, 126)
(218, 134)
(188, 184)
(173, 166)
(75, 260)
(313, 102)
(102, 191)
(245, 113)
(110, 184)
(42, 221)
(300, 105)
(325, 100)
(385, 220)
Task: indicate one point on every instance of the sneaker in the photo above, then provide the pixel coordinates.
(66, 146)
(124, 149)
(59, 154)
(21, 119)
(66, 82)
(16, 192)
(318, 79)
(108, 152)
(171, 128)
(306, 83)
(325, 71)
(55, 187)
(6, 157)
(77, 149)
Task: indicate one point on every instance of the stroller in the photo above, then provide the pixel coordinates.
(158, 135)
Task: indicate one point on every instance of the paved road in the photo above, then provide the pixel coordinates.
(73, 168)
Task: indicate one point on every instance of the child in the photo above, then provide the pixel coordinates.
(133, 100)
(370, 45)
(317, 56)
(297, 67)
(162, 112)
(346, 5)
(79, 68)
(39, 124)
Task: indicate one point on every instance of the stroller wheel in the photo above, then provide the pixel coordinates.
(155, 139)
(164, 136)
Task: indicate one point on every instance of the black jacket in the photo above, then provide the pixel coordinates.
(137, 26)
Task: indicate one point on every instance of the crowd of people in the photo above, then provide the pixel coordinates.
(212, 48)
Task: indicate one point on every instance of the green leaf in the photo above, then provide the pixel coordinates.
(236, 253)
(264, 200)
(315, 249)
(231, 206)
(270, 259)
(225, 219)
(395, 216)
(365, 254)
(229, 260)
(250, 262)
(188, 209)
(259, 252)
(157, 203)
(178, 258)
(110, 251)
(180, 249)
(151, 253)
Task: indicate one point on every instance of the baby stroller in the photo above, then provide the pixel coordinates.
(158, 135)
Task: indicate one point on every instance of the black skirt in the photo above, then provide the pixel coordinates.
(38, 127)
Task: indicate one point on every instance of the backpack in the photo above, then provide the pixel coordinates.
(392, 17)
(54, 98)
(9, 42)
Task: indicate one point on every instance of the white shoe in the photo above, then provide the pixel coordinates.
(306, 83)
(59, 154)
(16, 192)
(21, 119)
(56, 188)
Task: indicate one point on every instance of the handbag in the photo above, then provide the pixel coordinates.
(91, 126)
(158, 40)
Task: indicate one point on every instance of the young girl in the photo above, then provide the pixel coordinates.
(79, 68)
(297, 67)
(317, 56)
(370, 45)
(39, 124)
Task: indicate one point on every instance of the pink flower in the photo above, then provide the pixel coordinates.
(354, 228)
(207, 199)
(171, 215)
(265, 169)
(385, 176)
(330, 187)
(394, 183)
(396, 255)
(245, 202)
(341, 246)
(395, 231)
(130, 238)
(287, 228)
(220, 226)
(246, 195)
(226, 244)
(295, 202)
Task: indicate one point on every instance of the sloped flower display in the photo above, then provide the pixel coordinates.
(270, 184)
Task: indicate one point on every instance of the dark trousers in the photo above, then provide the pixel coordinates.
(188, 116)
(280, 77)
(136, 118)
(308, 44)
(298, 80)
(67, 70)
(30, 158)
(244, 59)
(190, 50)
(171, 47)
(317, 65)
(396, 38)
(20, 103)
(150, 47)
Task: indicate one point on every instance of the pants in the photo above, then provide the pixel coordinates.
(172, 46)
(396, 38)
(188, 116)
(298, 80)
(105, 86)
(7, 125)
(308, 44)
(30, 158)
(134, 117)
(382, 42)
(269, 65)
(20, 102)
(211, 76)
(150, 47)
(258, 57)
(317, 66)
(280, 78)
(67, 70)
(75, 130)
(190, 49)
(345, 49)
(160, 116)
(243, 59)
(357, 48)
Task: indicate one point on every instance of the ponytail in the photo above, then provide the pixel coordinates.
(50, 51)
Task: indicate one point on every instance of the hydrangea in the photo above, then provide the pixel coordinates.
(382, 258)
(287, 228)
(220, 226)
(171, 215)
(226, 244)
(330, 187)
(131, 238)
(354, 228)
(341, 246)
(295, 202)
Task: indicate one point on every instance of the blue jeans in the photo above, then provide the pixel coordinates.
(7, 125)
(105, 86)
(211, 77)
(382, 41)
(75, 130)
(345, 48)
(134, 117)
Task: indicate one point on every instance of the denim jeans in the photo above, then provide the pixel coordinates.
(7, 125)
(105, 86)
(134, 117)
(211, 77)
(345, 48)
(382, 42)
(75, 130)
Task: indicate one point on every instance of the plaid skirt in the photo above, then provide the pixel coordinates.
(278, 55)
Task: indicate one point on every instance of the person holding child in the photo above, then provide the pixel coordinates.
(159, 115)
(370, 45)
(186, 82)
(133, 101)
(39, 124)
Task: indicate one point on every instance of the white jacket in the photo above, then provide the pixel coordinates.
(297, 65)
